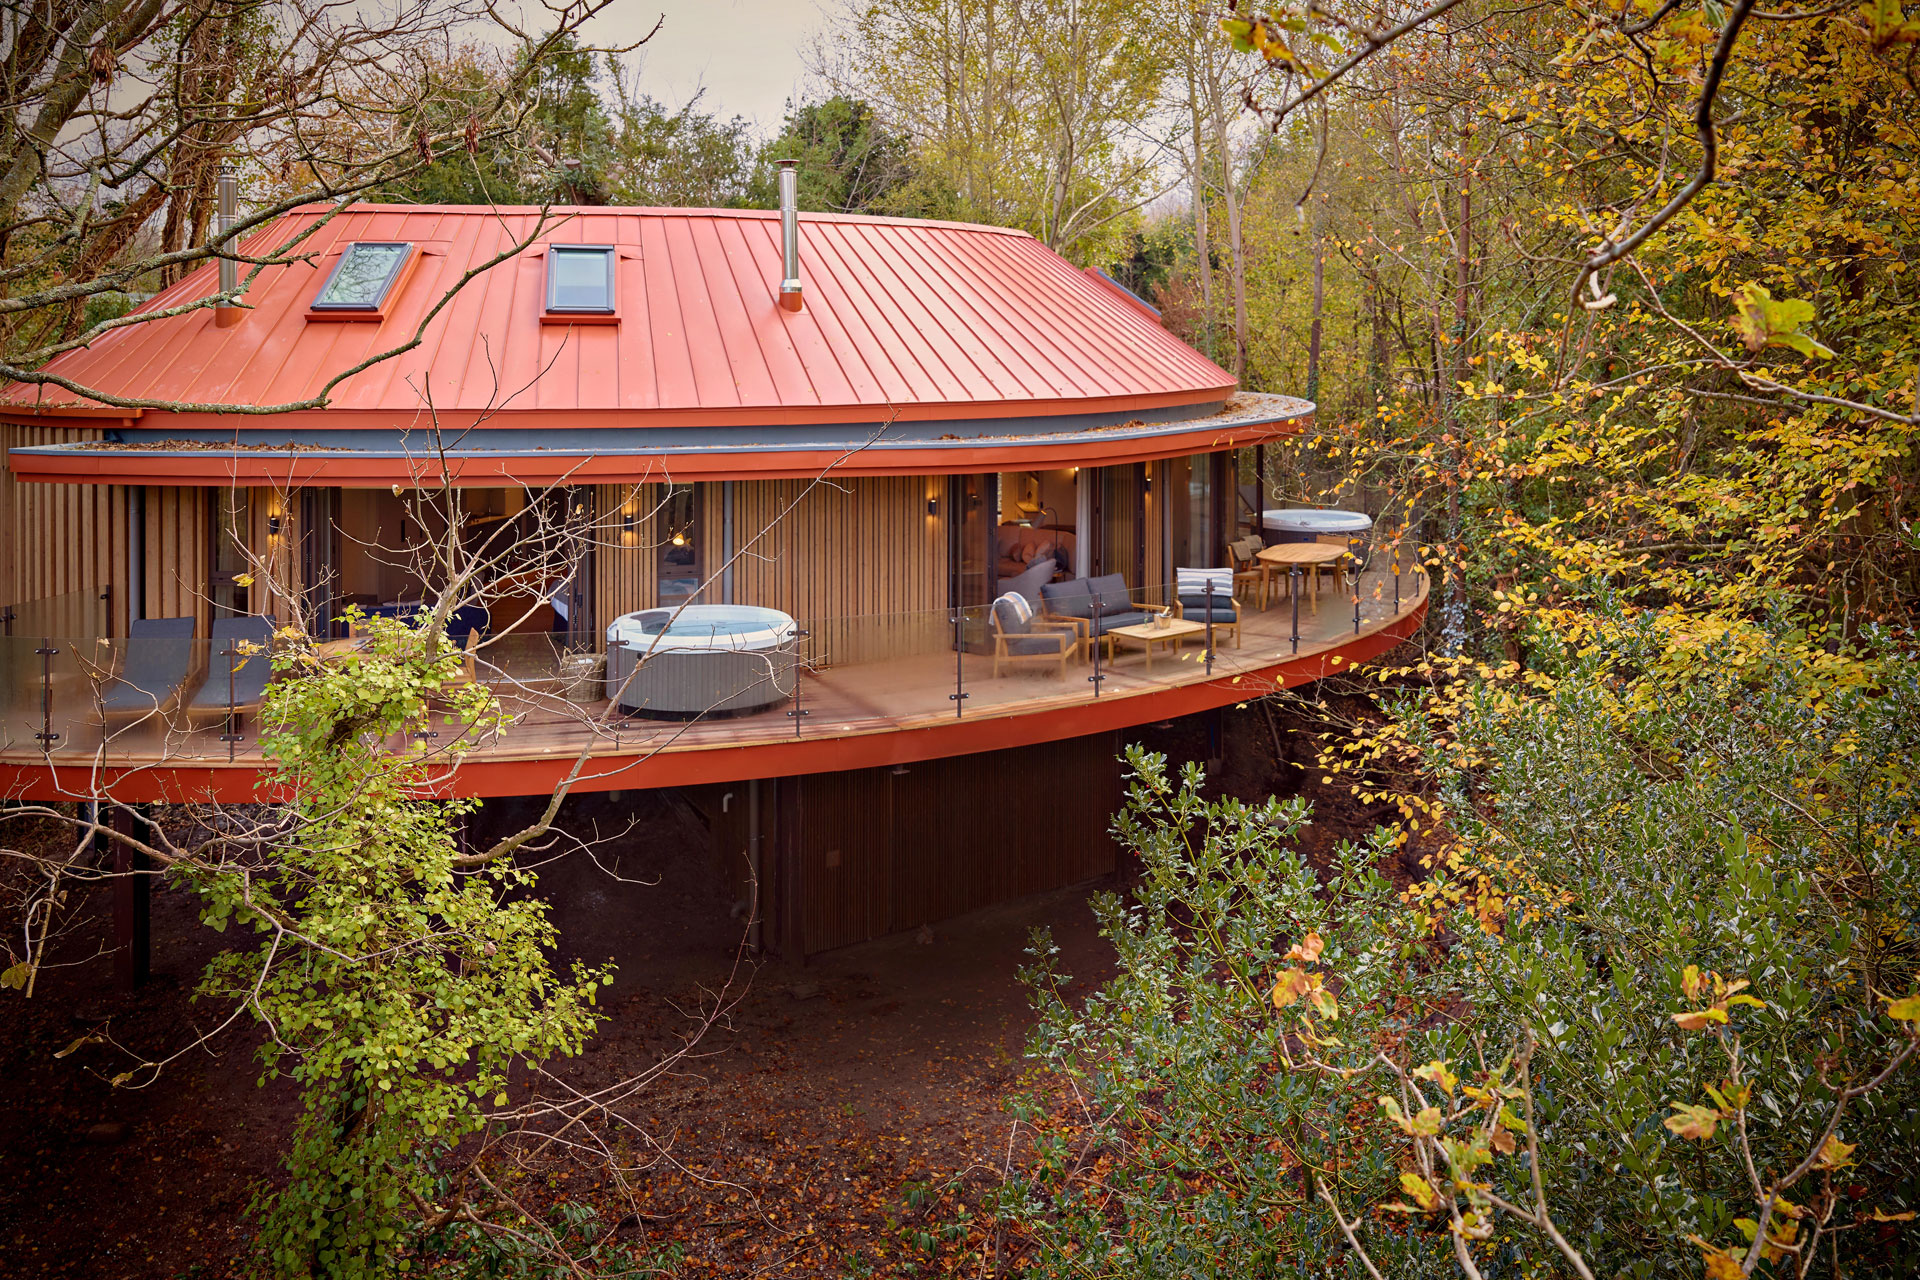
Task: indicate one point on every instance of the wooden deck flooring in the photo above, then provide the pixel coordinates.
(875, 697)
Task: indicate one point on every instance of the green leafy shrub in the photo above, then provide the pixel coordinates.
(399, 982)
(1657, 997)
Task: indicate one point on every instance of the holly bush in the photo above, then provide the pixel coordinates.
(1652, 1013)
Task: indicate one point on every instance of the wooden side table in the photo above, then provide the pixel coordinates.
(1146, 635)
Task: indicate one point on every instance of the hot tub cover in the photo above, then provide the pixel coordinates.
(1315, 520)
(698, 628)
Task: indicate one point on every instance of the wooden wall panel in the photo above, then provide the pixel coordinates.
(178, 555)
(62, 546)
(875, 851)
(859, 562)
(626, 570)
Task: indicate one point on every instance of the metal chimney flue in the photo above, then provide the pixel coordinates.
(790, 234)
(227, 198)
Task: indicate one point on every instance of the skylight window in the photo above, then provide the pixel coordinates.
(363, 277)
(580, 278)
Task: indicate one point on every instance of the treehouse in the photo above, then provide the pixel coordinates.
(851, 527)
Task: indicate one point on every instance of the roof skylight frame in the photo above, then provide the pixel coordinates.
(609, 255)
(387, 283)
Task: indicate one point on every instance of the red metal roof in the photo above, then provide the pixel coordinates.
(919, 320)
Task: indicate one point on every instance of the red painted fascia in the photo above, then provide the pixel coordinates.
(349, 470)
(453, 418)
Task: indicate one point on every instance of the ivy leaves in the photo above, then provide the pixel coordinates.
(402, 993)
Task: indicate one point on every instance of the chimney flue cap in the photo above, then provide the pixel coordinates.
(790, 298)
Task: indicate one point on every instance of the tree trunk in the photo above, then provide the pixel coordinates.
(1203, 250)
(1458, 370)
(1319, 304)
(1237, 262)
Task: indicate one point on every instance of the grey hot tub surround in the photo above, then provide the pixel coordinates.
(701, 660)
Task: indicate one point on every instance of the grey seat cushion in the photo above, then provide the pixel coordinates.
(1011, 623)
(1110, 590)
(1048, 643)
(1195, 608)
(1028, 584)
(1108, 621)
(1070, 599)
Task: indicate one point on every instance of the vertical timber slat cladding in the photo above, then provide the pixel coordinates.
(626, 561)
(860, 562)
(178, 555)
(879, 851)
(64, 543)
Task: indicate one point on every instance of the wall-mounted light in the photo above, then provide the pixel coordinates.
(933, 506)
(627, 518)
(273, 526)
(679, 539)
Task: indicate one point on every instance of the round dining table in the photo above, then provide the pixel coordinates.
(1309, 555)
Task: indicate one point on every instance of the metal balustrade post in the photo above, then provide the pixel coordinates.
(799, 712)
(1293, 584)
(1353, 580)
(959, 694)
(1396, 582)
(1093, 636)
(46, 737)
(232, 735)
(1209, 623)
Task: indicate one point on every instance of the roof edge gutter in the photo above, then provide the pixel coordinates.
(790, 297)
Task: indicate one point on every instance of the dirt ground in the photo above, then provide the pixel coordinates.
(795, 1138)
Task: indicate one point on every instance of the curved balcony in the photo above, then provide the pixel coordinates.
(148, 720)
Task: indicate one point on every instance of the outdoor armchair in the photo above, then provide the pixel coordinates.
(1195, 604)
(1018, 638)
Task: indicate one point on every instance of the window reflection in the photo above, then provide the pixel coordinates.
(363, 276)
(679, 551)
(580, 278)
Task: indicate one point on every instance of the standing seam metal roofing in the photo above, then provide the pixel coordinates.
(919, 320)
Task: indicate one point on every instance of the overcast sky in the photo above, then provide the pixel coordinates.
(749, 55)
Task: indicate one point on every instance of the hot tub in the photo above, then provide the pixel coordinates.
(701, 659)
(1309, 524)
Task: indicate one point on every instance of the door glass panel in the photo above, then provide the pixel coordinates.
(679, 548)
(1121, 522)
(229, 531)
(1190, 508)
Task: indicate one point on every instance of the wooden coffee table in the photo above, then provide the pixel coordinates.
(1147, 635)
(1309, 555)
